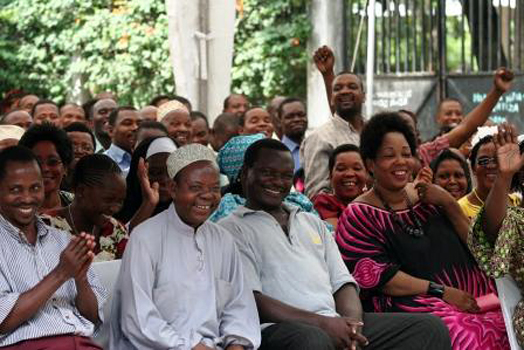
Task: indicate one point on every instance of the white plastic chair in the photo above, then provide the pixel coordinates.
(107, 272)
(509, 295)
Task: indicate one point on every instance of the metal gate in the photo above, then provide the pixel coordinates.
(426, 50)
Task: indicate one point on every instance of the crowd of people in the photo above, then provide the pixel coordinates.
(249, 233)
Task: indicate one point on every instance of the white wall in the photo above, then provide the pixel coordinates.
(326, 17)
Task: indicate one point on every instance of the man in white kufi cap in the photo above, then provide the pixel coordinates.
(180, 284)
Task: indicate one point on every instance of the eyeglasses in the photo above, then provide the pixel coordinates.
(50, 162)
(485, 161)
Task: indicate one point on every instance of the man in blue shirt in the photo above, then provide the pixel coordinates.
(123, 126)
(293, 121)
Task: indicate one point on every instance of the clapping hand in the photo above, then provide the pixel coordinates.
(76, 258)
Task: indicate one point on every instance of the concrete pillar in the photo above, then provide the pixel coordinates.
(201, 35)
(327, 18)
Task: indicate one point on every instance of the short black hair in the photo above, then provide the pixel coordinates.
(113, 116)
(81, 127)
(199, 115)
(44, 102)
(221, 123)
(347, 147)
(377, 127)
(287, 100)
(159, 98)
(475, 150)
(49, 132)
(19, 154)
(252, 152)
(92, 169)
(151, 124)
(448, 154)
(346, 72)
(448, 99)
(183, 101)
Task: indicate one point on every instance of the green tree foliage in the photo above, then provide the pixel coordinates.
(270, 49)
(120, 46)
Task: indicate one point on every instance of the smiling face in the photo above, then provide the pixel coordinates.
(486, 167)
(449, 113)
(269, 180)
(123, 133)
(348, 176)
(200, 132)
(53, 170)
(196, 192)
(178, 124)
(394, 162)
(101, 111)
(101, 202)
(257, 120)
(348, 95)
(451, 176)
(21, 193)
(294, 120)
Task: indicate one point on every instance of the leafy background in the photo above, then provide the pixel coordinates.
(121, 46)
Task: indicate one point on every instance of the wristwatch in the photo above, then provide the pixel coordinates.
(435, 290)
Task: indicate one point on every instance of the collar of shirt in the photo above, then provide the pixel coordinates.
(292, 145)
(340, 122)
(181, 226)
(243, 210)
(16, 233)
(118, 154)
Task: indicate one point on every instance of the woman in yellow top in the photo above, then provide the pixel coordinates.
(483, 159)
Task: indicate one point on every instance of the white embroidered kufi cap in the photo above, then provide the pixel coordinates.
(188, 155)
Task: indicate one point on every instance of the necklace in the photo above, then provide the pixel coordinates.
(415, 231)
(73, 221)
(477, 196)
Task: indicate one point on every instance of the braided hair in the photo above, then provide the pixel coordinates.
(91, 170)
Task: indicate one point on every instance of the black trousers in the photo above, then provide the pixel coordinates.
(385, 331)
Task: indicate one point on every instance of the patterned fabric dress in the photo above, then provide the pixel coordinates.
(375, 249)
(503, 257)
(110, 243)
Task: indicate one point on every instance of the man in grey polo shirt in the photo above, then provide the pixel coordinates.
(301, 285)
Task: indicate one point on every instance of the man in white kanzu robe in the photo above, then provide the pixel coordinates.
(181, 281)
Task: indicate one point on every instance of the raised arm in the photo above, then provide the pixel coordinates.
(325, 61)
(150, 197)
(510, 162)
(480, 114)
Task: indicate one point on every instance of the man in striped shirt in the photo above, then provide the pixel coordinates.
(49, 297)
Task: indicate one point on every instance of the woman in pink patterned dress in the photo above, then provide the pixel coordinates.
(406, 244)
